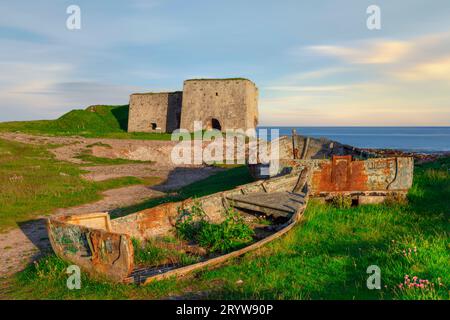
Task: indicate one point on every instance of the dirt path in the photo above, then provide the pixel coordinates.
(20, 246)
(67, 148)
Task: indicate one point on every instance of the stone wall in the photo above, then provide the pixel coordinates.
(220, 103)
(155, 112)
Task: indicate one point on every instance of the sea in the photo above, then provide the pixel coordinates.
(413, 139)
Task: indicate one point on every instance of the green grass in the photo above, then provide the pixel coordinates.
(324, 257)
(94, 122)
(33, 183)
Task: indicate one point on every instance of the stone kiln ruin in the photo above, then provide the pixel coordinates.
(218, 103)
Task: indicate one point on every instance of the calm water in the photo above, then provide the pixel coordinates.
(420, 139)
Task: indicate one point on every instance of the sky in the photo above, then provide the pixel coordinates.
(315, 62)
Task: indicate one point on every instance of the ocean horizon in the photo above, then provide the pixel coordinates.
(416, 139)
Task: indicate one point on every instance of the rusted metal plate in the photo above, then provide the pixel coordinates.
(344, 174)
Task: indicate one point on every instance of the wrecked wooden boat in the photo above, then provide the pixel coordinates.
(340, 170)
(104, 247)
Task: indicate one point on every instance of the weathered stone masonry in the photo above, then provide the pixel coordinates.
(219, 103)
(155, 112)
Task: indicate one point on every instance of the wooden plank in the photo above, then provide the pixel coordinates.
(284, 202)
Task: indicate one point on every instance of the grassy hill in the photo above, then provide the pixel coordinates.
(99, 121)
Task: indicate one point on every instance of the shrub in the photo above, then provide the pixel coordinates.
(393, 199)
(147, 253)
(150, 253)
(342, 201)
(226, 236)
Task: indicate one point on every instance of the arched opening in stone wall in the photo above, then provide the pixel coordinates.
(154, 125)
(215, 124)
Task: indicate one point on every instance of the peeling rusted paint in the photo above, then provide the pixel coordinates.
(98, 252)
(344, 174)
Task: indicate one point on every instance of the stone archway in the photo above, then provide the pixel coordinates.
(215, 124)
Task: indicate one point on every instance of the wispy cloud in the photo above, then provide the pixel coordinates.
(318, 74)
(373, 52)
(433, 70)
(308, 88)
(389, 82)
(41, 90)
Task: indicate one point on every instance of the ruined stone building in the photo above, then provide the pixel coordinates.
(219, 103)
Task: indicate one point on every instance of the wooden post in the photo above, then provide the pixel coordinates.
(294, 144)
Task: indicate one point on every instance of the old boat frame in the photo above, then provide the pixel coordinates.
(103, 247)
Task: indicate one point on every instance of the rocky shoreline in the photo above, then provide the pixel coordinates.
(419, 157)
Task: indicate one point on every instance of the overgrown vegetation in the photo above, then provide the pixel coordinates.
(154, 253)
(223, 237)
(324, 257)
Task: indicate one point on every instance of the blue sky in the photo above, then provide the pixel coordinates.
(315, 62)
